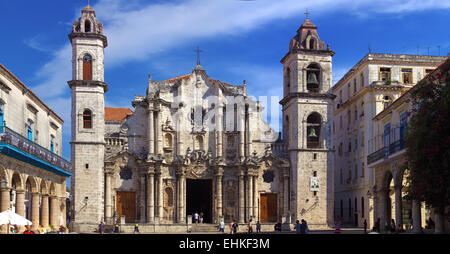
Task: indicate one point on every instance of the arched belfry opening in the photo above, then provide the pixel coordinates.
(312, 44)
(313, 130)
(87, 67)
(87, 26)
(313, 78)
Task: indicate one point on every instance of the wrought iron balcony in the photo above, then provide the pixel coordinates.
(387, 150)
(376, 156)
(12, 138)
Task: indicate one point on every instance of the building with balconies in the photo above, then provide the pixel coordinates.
(32, 172)
(388, 160)
(368, 88)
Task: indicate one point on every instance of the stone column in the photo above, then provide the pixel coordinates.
(241, 198)
(6, 202)
(382, 211)
(183, 198)
(160, 205)
(142, 199)
(44, 211)
(249, 136)
(219, 130)
(398, 206)
(151, 133)
(35, 210)
(371, 215)
(241, 129)
(416, 216)
(286, 195)
(178, 199)
(20, 202)
(255, 197)
(150, 197)
(63, 211)
(54, 211)
(159, 132)
(250, 196)
(180, 188)
(219, 193)
(108, 196)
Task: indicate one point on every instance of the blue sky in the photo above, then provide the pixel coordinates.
(240, 39)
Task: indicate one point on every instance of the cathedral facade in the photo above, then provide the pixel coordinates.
(194, 144)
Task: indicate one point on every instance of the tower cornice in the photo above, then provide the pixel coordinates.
(88, 83)
(89, 36)
(307, 95)
(307, 52)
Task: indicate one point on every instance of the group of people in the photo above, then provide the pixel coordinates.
(101, 228)
(234, 227)
(389, 226)
(301, 228)
(198, 218)
(40, 230)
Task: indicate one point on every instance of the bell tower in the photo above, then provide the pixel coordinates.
(307, 106)
(88, 124)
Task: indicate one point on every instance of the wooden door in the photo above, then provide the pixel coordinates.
(268, 204)
(126, 205)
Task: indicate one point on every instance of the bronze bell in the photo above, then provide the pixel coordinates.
(312, 133)
(312, 79)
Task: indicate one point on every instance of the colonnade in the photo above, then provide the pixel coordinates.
(45, 209)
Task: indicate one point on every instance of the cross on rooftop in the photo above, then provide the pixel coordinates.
(198, 51)
(307, 13)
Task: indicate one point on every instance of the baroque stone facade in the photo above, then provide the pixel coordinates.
(196, 144)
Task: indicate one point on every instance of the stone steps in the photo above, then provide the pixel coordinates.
(204, 228)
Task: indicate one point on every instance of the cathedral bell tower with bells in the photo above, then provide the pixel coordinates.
(88, 125)
(307, 119)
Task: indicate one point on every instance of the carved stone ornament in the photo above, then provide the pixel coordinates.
(125, 173)
(268, 176)
(196, 171)
(124, 129)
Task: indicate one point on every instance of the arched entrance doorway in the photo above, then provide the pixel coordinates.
(199, 193)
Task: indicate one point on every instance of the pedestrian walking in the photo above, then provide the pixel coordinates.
(258, 227)
(337, 226)
(392, 226)
(136, 228)
(306, 227)
(222, 226)
(250, 226)
(231, 227)
(298, 227)
(201, 217)
(196, 217)
(303, 227)
(235, 227)
(365, 226)
(116, 228)
(101, 228)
